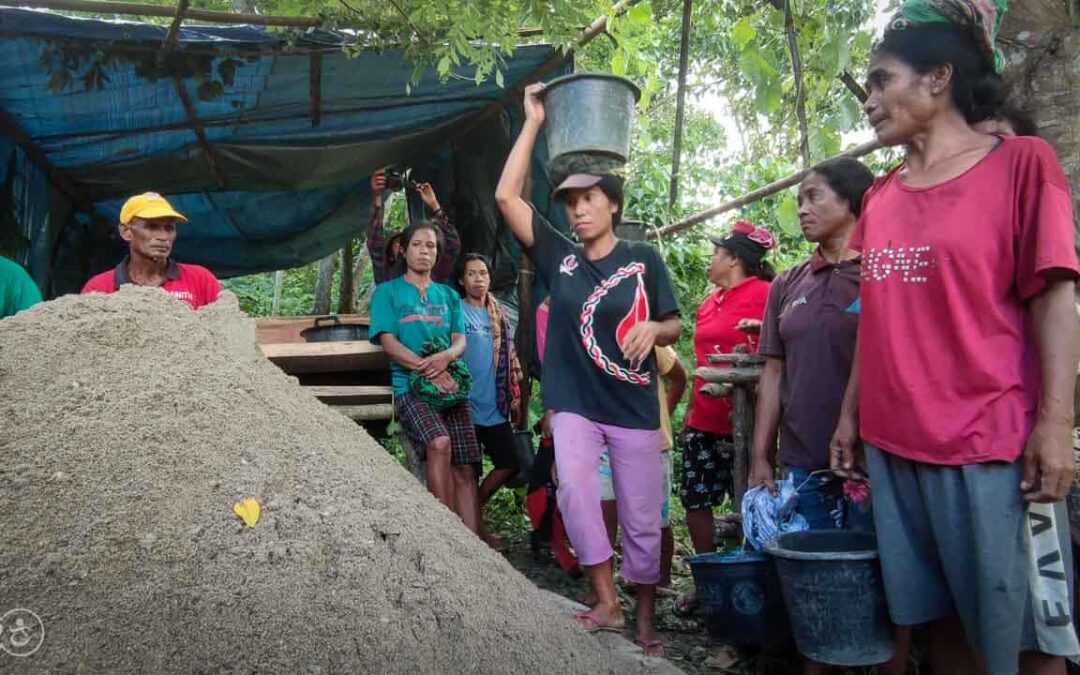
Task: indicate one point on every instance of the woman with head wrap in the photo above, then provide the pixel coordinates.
(729, 316)
(963, 384)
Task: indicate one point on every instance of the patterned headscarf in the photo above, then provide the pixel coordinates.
(982, 17)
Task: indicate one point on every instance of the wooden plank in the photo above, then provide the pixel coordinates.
(367, 413)
(737, 359)
(356, 394)
(729, 375)
(288, 328)
(716, 390)
(326, 357)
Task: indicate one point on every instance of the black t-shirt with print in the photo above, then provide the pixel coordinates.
(593, 305)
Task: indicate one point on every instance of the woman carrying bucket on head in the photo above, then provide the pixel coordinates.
(808, 339)
(612, 302)
(963, 385)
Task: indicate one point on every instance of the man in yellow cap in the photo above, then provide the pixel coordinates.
(148, 224)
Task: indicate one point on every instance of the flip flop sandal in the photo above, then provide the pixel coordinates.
(590, 625)
(653, 648)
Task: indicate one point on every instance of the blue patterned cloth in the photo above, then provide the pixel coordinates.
(765, 515)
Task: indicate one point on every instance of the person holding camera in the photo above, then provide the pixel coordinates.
(387, 254)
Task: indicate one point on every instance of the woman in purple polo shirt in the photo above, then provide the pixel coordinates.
(808, 339)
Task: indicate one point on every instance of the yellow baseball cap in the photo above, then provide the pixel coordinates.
(148, 205)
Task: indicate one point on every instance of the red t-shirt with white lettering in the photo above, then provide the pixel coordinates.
(948, 364)
(715, 332)
(194, 284)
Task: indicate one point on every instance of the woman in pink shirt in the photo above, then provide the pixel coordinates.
(962, 388)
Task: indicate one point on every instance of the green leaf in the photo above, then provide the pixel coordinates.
(499, 79)
(742, 32)
(640, 14)
(444, 66)
(618, 63)
(850, 112)
(787, 215)
(768, 97)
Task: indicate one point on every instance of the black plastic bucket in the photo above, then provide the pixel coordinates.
(632, 230)
(834, 595)
(741, 598)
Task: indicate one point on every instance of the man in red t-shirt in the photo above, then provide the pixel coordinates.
(148, 224)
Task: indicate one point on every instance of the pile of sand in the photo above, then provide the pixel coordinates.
(132, 424)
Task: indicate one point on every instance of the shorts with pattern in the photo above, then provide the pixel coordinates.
(423, 424)
(707, 469)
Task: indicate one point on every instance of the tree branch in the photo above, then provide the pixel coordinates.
(800, 93)
(854, 87)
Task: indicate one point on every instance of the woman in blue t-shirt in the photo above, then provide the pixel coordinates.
(612, 302)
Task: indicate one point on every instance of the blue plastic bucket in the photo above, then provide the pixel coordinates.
(741, 598)
(832, 587)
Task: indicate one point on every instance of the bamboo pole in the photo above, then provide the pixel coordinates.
(755, 195)
(135, 9)
(172, 34)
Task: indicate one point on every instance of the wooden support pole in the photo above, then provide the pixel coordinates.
(169, 43)
(680, 103)
(526, 333)
(200, 133)
(753, 196)
(135, 9)
(742, 415)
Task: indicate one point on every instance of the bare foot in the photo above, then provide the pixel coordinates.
(600, 618)
(652, 646)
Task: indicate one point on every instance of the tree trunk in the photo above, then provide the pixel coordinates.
(358, 273)
(347, 292)
(324, 284)
(1041, 39)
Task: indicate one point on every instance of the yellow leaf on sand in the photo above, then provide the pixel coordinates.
(248, 510)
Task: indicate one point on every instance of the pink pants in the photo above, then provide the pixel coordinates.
(639, 489)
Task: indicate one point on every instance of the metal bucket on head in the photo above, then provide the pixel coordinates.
(590, 117)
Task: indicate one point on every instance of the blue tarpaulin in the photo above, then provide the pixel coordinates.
(293, 131)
